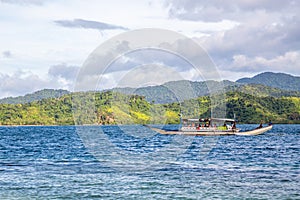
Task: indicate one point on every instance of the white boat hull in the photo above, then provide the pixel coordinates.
(212, 133)
(255, 131)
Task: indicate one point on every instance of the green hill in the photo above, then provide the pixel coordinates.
(249, 102)
(38, 95)
(116, 108)
(178, 91)
(265, 84)
(262, 90)
(275, 80)
(252, 109)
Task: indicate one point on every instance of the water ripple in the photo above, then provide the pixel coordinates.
(52, 163)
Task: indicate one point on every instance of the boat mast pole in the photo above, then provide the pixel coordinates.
(180, 121)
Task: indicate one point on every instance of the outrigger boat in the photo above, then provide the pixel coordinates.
(210, 127)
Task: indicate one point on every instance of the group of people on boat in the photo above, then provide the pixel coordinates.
(210, 123)
(213, 124)
(232, 126)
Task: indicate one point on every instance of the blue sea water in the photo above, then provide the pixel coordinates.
(133, 162)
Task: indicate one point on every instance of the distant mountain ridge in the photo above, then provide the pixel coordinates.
(178, 91)
(275, 80)
(36, 96)
(262, 85)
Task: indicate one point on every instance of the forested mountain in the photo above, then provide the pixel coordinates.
(249, 108)
(116, 108)
(276, 80)
(265, 84)
(249, 102)
(177, 91)
(261, 90)
(38, 95)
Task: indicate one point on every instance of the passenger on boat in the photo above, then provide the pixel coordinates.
(228, 127)
(206, 124)
(233, 126)
(270, 123)
(260, 125)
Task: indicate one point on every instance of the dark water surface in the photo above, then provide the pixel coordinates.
(132, 162)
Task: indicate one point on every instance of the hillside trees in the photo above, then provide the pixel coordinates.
(116, 108)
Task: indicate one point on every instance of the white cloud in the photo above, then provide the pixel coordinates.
(263, 39)
(289, 61)
(22, 82)
(19, 83)
(242, 37)
(87, 24)
(218, 10)
(149, 74)
(6, 54)
(63, 71)
(24, 2)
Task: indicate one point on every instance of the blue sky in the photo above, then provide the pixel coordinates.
(44, 43)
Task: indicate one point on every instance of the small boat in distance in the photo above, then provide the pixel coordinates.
(210, 127)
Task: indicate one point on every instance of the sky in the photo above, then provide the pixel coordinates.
(45, 44)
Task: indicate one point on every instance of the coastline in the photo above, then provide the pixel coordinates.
(29, 125)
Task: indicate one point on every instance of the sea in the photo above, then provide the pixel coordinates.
(134, 162)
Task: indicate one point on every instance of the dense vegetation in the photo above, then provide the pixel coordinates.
(276, 80)
(183, 90)
(249, 99)
(116, 108)
(262, 85)
(262, 90)
(38, 95)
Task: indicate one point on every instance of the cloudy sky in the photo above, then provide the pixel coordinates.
(44, 44)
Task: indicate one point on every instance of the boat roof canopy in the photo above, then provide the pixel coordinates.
(210, 119)
(223, 119)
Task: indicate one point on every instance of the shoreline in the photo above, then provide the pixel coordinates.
(126, 125)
